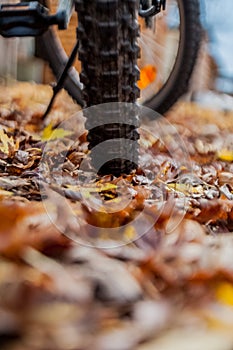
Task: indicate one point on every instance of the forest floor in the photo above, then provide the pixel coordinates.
(140, 262)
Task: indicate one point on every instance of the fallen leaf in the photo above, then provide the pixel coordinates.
(7, 143)
(147, 76)
(186, 189)
(224, 293)
(50, 134)
(4, 194)
(225, 155)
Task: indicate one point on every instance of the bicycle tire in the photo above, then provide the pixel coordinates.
(51, 50)
(108, 52)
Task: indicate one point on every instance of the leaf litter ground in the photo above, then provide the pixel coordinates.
(165, 289)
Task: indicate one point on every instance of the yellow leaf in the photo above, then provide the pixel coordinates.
(216, 321)
(4, 194)
(185, 188)
(225, 155)
(106, 187)
(6, 142)
(224, 293)
(88, 191)
(50, 134)
(130, 233)
(95, 188)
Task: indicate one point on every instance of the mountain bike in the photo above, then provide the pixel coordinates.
(116, 59)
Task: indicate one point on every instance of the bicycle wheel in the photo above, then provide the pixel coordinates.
(168, 54)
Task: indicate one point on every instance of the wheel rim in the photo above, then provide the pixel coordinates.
(166, 51)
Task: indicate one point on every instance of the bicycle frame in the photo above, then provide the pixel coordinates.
(149, 8)
(33, 19)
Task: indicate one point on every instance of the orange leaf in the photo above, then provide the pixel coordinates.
(147, 76)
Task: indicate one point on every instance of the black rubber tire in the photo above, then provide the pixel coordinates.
(108, 52)
(50, 48)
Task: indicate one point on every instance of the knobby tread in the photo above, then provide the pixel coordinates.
(49, 47)
(107, 32)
